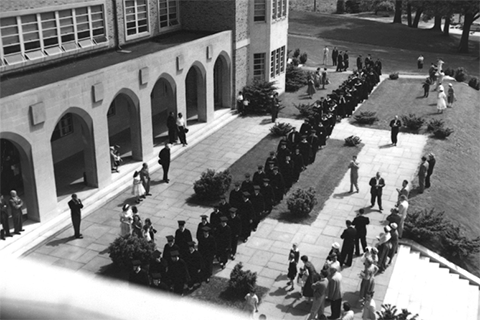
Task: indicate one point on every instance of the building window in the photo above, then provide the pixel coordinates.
(279, 9)
(37, 35)
(259, 66)
(136, 18)
(260, 9)
(277, 62)
(169, 13)
(64, 127)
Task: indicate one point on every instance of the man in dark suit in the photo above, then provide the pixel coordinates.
(348, 236)
(76, 206)
(223, 239)
(334, 55)
(395, 124)
(182, 237)
(235, 225)
(207, 248)
(376, 187)
(360, 222)
(431, 163)
(138, 275)
(172, 128)
(164, 161)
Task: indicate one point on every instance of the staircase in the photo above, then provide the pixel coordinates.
(428, 288)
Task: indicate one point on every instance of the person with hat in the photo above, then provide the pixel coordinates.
(195, 266)
(451, 98)
(203, 223)
(394, 241)
(158, 265)
(168, 248)
(235, 199)
(76, 206)
(376, 189)
(223, 205)
(431, 164)
(269, 170)
(246, 213)
(258, 204)
(164, 161)
(215, 219)
(258, 176)
(287, 169)
(207, 247)
(314, 145)
(293, 138)
(268, 195)
(223, 238)
(157, 282)
(137, 188)
(299, 164)
(305, 150)
(395, 124)
(247, 184)
(278, 184)
(178, 273)
(182, 237)
(441, 100)
(235, 225)
(283, 152)
(272, 158)
(348, 236)
(368, 278)
(138, 275)
(126, 220)
(305, 128)
(384, 245)
(360, 222)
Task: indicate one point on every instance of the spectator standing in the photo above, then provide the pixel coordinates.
(402, 212)
(149, 231)
(137, 189)
(311, 87)
(426, 88)
(395, 124)
(137, 226)
(346, 62)
(376, 189)
(16, 205)
(182, 129)
(126, 219)
(422, 174)
(394, 242)
(360, 222)
(275, 107)
(251, 300)
(4, 218)
(384, 245)
(340, 62)
(369, 311)
(451, 98)
(335, 293)
(115, 158)
(431, 164)
(240, 109)
(403, 192)
(172, 128)
(441, 100)
(319, 286)
(325, 55)
(368, 278)
(354, 166)
(145, 177)
(76, 206)
(348, 236)
(164, 161)
(334, 55)
(359, 62)
(292, 270)
(420, 62)
(324, 78)
(310, 271)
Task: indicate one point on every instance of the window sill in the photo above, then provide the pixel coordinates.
(137, 36)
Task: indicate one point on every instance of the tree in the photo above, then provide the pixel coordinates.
(470, 10)
(419, 8)
(398, 12)
(409, 13)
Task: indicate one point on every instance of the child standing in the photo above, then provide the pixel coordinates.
(292, 269)
(426, 88)
(252, 302)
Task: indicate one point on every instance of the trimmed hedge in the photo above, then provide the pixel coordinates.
(125, 249)
(301, 201)
(212, 185)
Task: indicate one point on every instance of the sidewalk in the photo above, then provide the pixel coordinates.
(267, 249)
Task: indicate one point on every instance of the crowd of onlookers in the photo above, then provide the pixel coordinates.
(11, 208)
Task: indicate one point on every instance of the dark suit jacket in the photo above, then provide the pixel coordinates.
(374, 189)
(360, 224)
(164, 156)
(75, 207)
(348, 236)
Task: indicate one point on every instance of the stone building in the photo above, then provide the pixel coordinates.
(78, 76)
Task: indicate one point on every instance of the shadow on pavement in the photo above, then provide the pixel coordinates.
(58, 242)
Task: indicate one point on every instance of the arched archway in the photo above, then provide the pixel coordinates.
(195, 93)
(222, 87)
(124, 125)
(73, 152)
(163, 101)
(17, 172)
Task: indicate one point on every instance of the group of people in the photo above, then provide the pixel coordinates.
(177, 128)
(340, 59)
(141, 183)
(445, 99)
(11, 208)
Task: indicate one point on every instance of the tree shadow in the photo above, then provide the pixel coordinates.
(388, 145)
(195, 201)
(342, 195)
(58, 242)
(112, 271)
(354, 299)
(129, 201)
(414, 192)
(266, 121)
(420, 97)
(156, 182)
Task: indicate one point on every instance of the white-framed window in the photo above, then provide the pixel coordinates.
(168, 13)
(136, 19)
(259, 66)
(277, 61)
(36, 35)
(279, 9)
(64, 127)
(259, 10)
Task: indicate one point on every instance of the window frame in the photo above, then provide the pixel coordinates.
(277, 62)
(279, 9)
(125, 22)
(263, 57)
(64, 127)
(262, 18)
(169, 27)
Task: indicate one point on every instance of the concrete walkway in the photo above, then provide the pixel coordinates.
(266, 251)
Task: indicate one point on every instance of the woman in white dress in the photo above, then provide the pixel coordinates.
(126, 219)
(441, 101)
(138, 190)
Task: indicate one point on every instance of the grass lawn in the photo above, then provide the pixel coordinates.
(456, 177)
(324, 174)
(215, 292)
(398, 46)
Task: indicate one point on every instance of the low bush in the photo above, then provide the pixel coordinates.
(457, 244)
(295, 78)
(413, 122)
(126, 249)
(303, 58)
(389, 312)
(352, 6)
(442, 132)
(434, 124)
(352, 141)
(366, 117)
(260, 95)
(305, 109)
(212, 185)
(460, 75)
(295, 62)
(474, 83)
(296, 53)
(340, 6)
(449, 72)
(241, 282)
(301, 201)
(424, 225)
(393, 76)
(281, 129)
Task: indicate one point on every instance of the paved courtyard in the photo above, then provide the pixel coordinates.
(266, 251)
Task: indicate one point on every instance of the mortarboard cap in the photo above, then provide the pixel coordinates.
(204, 216)
(136, 263)
(170, 238)
(181, 222)
(156, 254)
(206, 229)
(191, 243)
(255, 187)
(174, 253)
(156, 276)
(246, 193)
(232, 209)
(223, 219)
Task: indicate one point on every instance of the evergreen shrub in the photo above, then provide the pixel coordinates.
(460, 75)
(303, 58)
(301, 201)
(366, 117)
(241, 282)
(305, 109)
(442, 132)
(295, 77)
(281, 129)
(212, 185)
(340, 6)
(296, 53)
(424, 225)
(434, 124)
(260, 95)
(352, 141)
(413, 122)
(125, 249)
(474, 83)
(457, 244)
(393, 76)
(390, 312)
